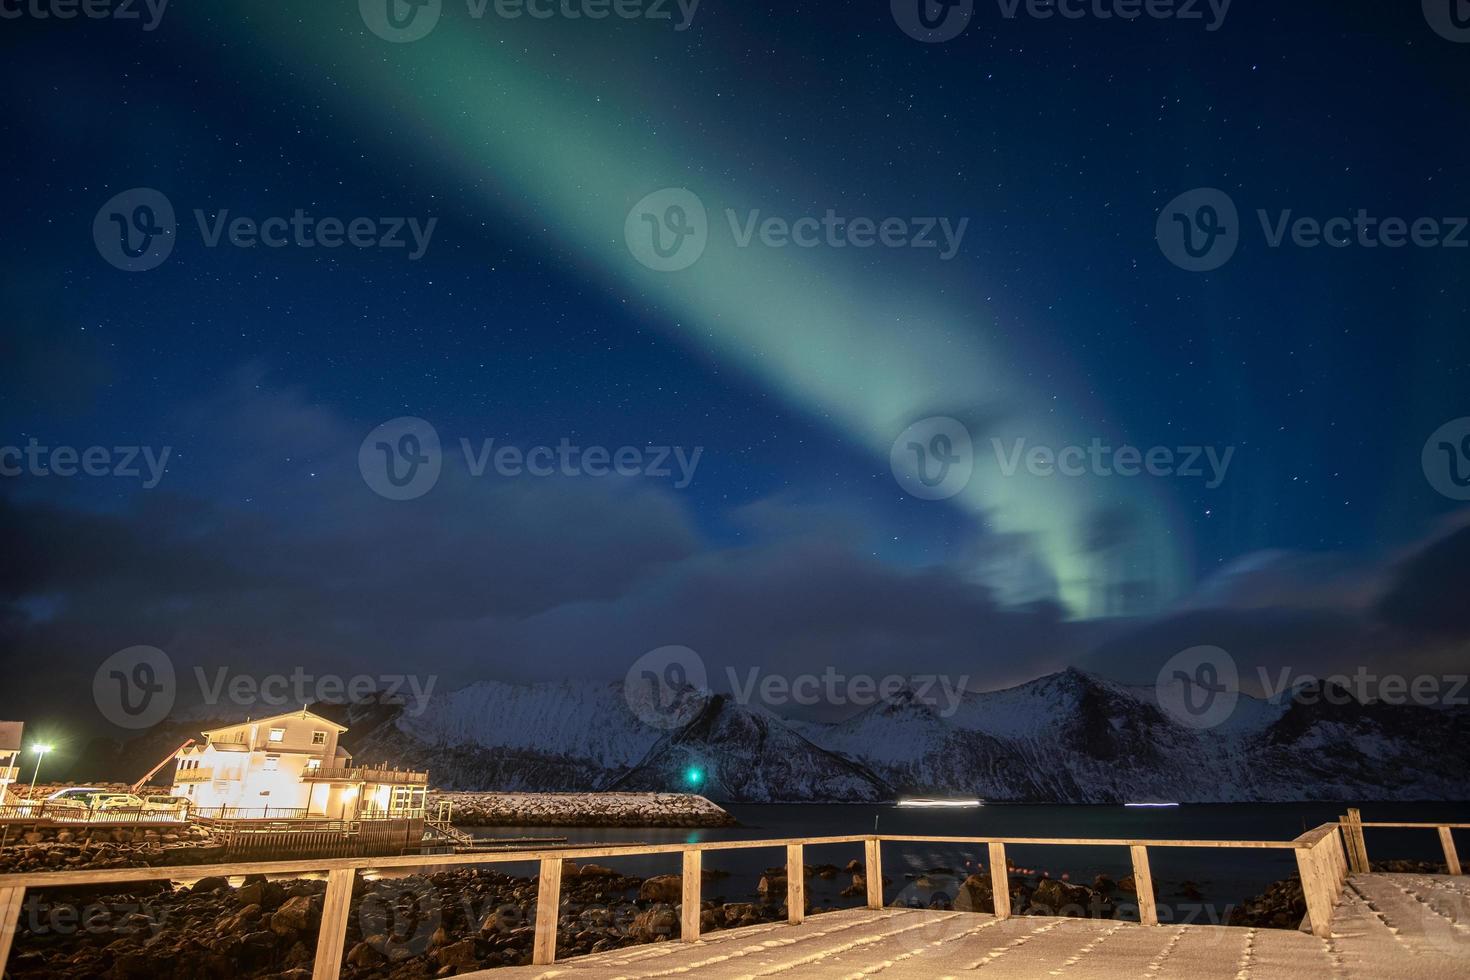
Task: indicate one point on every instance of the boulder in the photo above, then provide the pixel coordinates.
(975, 894)
(662, 888)
(363, 956)
(460, 955)
(655, 924)
(295, 915)
(595, 870)
(1060, 898)
(209, 885)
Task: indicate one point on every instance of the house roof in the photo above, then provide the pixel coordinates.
(298, 715)
(10, 735)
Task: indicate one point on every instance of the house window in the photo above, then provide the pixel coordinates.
(278, 735)
(406, 798)
(313, 764)
(318, 738)
(272, 763)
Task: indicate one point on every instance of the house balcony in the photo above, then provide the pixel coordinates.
(9, 774)
(193, 775)
(338, 774)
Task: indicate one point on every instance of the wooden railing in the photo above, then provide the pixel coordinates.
(213, 813)
(353, 774)
(1357, 849)
(71, 813)
(1319, 853)
(202, 775)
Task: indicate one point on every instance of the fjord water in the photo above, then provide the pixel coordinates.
(1222, 877)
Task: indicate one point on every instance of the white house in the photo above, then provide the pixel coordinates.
(10, 743)
(290, 766)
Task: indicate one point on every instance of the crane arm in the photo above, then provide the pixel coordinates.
(161, 763)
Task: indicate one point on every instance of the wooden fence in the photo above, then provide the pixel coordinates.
(1357, 848)
(1320, 855)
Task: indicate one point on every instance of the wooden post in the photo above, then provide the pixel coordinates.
(331, 939)
(1340, 858)
(795, 885)
(11, 900)
(1143, 886)
(873, 871)
(689, 917)
(1451, 858)
(1000, 881)
(548, 908)
(1357, 846)
(1317, 890)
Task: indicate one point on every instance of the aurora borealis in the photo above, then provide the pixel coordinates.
(892, 232)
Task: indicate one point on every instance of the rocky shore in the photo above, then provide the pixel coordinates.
(97, 848)
(451, 922)
(1283, 905)
(401, 928)
(581, 810)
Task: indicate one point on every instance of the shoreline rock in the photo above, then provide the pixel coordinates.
(100, 849)
(406, 928)
(581, 810)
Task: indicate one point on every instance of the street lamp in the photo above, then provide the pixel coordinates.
(40, 749)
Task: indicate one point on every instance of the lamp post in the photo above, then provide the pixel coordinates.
(40, 749)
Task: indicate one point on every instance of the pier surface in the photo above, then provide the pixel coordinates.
(1384, 927)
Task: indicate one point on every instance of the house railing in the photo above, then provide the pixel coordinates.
(42, 811)
(1320, 856)
(203, 775)
(1357, 850)
(212, 813)
(351, 774)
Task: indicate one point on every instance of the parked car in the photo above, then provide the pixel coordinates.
(164, 803)
(74, 801)
(73, 796)
(117, 801)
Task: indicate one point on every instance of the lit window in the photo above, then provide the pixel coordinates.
(313, 763)
(278, 735)
(318, 738)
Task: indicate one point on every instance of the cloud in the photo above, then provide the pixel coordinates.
(1428, 593)
(533, 579)
(301, 565)
(1317, 614)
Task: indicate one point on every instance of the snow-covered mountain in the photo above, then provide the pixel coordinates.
(731, 752)
(1068, 737)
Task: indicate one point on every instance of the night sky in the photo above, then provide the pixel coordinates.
(528, 320)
